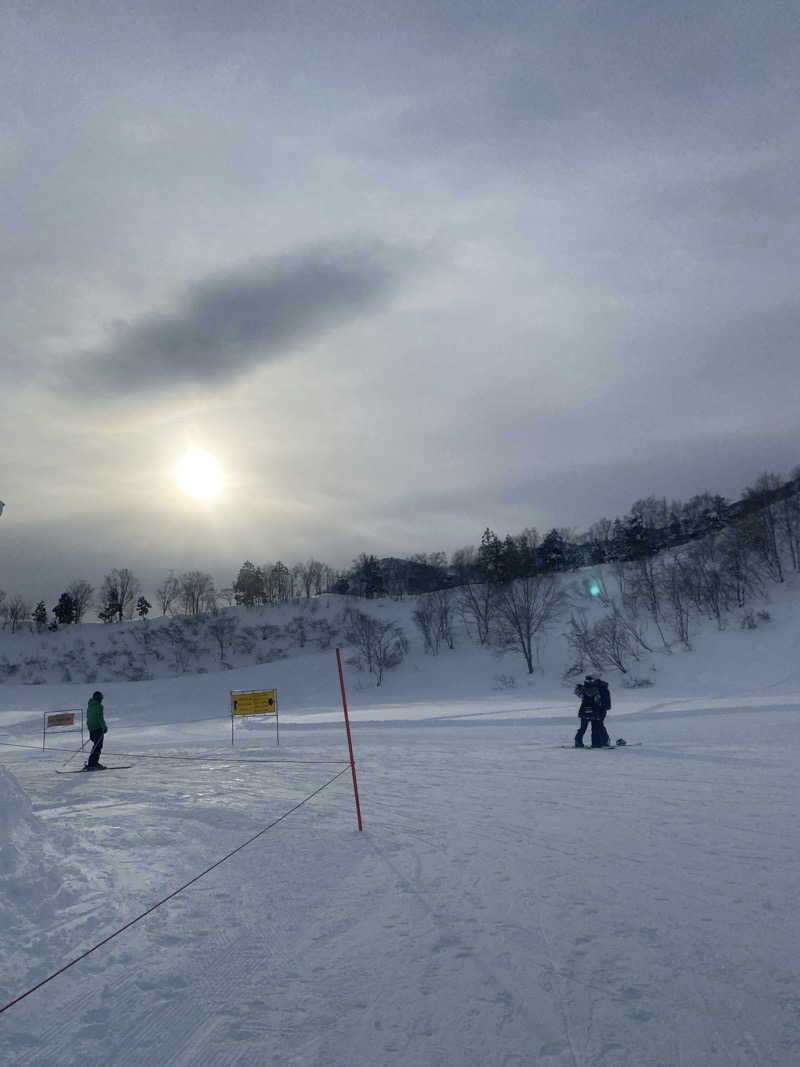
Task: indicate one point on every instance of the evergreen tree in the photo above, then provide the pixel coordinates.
(490, 558)
(553, 552)
(249, 588)
(367, 577)
(111, 608)
(65, 610)
(40, 616)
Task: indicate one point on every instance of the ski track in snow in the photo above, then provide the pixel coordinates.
(509, 903)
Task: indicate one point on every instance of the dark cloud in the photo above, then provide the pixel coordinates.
(579, 490)
(230, 323)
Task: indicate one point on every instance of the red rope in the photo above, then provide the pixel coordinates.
(175, 892)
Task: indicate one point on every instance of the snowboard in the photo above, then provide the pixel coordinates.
(82, 770)
(604, 748)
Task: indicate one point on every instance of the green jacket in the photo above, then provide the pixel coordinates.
(95, 719)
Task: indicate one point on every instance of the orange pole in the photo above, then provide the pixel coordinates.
(349, 739)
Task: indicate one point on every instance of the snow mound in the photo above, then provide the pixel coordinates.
(18, 824)
(32, 863)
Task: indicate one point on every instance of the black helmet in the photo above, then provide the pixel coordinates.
(97, 695)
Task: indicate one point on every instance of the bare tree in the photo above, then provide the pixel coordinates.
(425, 618)
(788, 513)
(476, 603)
(762, 525)
(526, 607)
(380, 644)
(297, 629)
(223, 629)
(279, 582)
(311, 575)
(179, 642)
(581, 638)
(444, 602)
(464, 565)
(16, 611)
(709, 584)
(168, 593)
(325, 579)
(434, 617)
(612, 641)
(646, 588)
(741, 564)
(197, 593)
(606, 643)
(674, 583)
(81, 593)
(118, 594)
(634, 627)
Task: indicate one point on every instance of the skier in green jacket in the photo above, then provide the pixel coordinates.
(96, 722)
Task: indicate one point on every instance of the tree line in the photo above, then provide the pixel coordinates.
(721, 549)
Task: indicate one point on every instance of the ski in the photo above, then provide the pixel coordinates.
(82, 770)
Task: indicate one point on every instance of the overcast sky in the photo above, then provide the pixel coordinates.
(406, 269)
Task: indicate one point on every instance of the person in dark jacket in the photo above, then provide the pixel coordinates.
(595, 703)
(96, 722)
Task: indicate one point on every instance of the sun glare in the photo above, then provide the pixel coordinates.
(199, 474)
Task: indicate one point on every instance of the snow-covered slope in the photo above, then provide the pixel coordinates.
(510, 901)
(733, 661)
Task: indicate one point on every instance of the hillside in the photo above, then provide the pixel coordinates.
(510, 901)
(291, 647)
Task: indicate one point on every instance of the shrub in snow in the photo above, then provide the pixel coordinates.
(322, 632)
(381, 645)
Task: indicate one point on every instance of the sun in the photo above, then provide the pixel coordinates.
(199, 474)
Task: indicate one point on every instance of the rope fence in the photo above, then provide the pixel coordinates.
(350, 764)
(202, 759)
(173, 894)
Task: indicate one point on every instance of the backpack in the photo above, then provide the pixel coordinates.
(605, 694)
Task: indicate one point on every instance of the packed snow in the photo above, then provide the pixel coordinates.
(509, 902)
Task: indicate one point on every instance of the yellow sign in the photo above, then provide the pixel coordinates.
(61, 718)
(262, 702)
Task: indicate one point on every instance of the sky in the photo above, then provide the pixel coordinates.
(406, 270)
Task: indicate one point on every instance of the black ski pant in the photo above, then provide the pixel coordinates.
(96, 737)
(600, 736)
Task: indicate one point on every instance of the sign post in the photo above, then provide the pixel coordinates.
(255, 702)
(60, 718)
